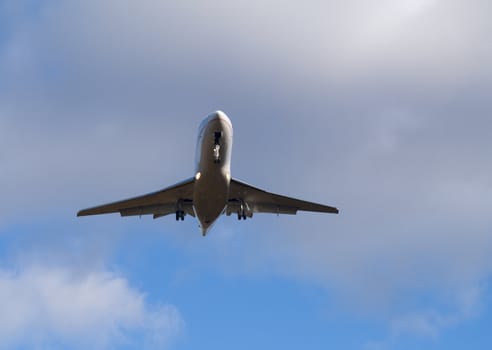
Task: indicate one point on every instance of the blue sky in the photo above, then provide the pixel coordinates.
(381, 108)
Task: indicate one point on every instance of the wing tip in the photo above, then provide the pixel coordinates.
(90, 211)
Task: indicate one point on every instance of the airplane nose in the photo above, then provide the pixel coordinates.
(217, 115)
(220, 116)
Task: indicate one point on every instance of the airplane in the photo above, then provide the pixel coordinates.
(212, 191)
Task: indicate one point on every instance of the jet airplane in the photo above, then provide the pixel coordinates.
(212, 191)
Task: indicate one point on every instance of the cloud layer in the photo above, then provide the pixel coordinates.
(379, 107)
(55, 307)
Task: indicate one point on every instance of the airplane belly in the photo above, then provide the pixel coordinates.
(210, 197)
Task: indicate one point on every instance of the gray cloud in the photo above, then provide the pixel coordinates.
(379, 107)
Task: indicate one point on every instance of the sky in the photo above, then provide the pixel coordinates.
(381, 108)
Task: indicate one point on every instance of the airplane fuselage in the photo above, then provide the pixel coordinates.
(213, 169)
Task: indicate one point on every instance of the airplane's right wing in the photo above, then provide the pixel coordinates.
(160, 203)
(256, 200)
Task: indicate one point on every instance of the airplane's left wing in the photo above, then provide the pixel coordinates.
(255, 200)
(178, 197)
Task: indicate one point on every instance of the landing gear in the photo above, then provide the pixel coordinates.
(244, 212)
(217, 154)
(217, 136)
(180, 215)
(216, 149)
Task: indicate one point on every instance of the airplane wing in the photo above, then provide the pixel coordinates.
(160, 203)
(256, 200)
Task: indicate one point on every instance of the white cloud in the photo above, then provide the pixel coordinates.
(43, 307)
(430, 321)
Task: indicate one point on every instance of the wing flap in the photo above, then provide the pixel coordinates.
(274, 209)
(151, 209)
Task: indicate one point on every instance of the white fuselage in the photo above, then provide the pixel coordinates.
(213, 169)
